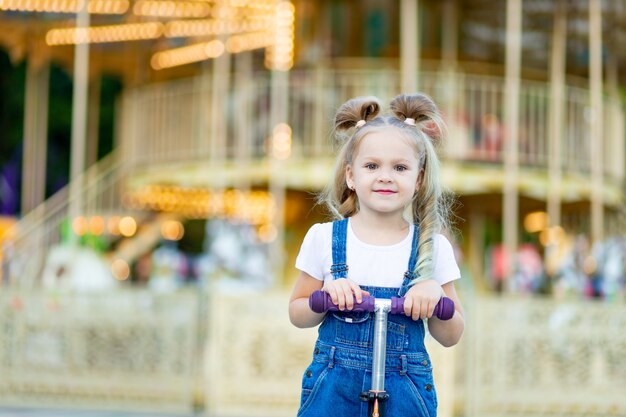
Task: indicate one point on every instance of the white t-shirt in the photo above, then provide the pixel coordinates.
(371, 265)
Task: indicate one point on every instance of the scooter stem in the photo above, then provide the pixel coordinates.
(381, 314)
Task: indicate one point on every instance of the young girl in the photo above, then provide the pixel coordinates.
(386, 241)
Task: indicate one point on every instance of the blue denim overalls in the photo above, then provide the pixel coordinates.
(342, 360)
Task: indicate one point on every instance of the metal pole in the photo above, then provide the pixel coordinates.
(219, 97)
(93, 121)
(616, 121)
(380, 346)
(277, 187)
(409, 45)
(35, 133)
(449, 34)
(79, 113)
(555, 118)
(511, 120)
(596, 133)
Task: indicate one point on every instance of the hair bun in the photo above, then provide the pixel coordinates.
(422, 109)
(354, 110)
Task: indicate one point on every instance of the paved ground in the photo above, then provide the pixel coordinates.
(44, 412)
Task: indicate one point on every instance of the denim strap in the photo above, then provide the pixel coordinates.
(409, 275)
(339, 269)
(404, 364)
(331, 357)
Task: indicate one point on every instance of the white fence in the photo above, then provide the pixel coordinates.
(238, 355)
(120, 350)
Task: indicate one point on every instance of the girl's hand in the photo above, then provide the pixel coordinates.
(421, 299)
(344, 292)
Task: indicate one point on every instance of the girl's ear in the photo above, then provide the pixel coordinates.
(349, 176)
(420, 178)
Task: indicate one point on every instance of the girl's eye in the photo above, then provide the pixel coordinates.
(371, 166)
(401, 168)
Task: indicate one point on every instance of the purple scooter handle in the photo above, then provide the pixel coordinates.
(320, 302)
(444, 309)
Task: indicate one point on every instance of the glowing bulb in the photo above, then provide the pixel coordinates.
(127, 226)
(172, 230)
(80, 225)
(120, 269)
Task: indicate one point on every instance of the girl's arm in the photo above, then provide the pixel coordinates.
(448, 332)
(300, 313)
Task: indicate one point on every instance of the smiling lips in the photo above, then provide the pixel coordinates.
(385, 192)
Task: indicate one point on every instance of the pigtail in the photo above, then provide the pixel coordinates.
(430, 205)
(429, 212)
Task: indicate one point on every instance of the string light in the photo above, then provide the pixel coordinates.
(128, 226)
(120, 269)
(211, 27)
(536, 221)
(267, 233)
(224, 12)
(96, 225)
(172, 230)
(103, 34)
(248, 42)
(279, 56)
(187, 54)
(251, 24)
(66, 6)
(281, 141)
(253, 207)
(80, 225)
(113, 225)
(179, 8)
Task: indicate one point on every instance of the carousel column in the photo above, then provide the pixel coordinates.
(93, 121)
(79, 115)
(449, 35)
(616, 120)
(35, 133)
(452, 98)
(219, 103)
(555, 119)
(91, 145)
(280, 140)
(279, 58)
(596, 133)
(244, 99)
(511, 120)
(409, 45)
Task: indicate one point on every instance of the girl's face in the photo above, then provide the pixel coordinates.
(384, 173)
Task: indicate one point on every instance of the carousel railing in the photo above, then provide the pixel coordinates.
(167, 122)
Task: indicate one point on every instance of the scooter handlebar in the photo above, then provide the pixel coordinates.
(320, 302)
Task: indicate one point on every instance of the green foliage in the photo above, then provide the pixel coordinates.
(12, 84)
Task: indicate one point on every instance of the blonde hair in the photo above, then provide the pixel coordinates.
(431, 205)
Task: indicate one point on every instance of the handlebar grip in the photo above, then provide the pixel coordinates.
(444, 310)
(320, 302)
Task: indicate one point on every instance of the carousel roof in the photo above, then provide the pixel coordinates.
(132, 32)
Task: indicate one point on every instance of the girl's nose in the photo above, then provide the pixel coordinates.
(384, 176)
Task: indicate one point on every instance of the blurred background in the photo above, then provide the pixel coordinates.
(159, 161)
